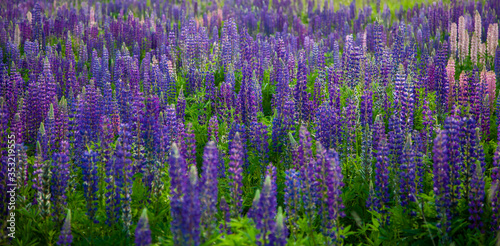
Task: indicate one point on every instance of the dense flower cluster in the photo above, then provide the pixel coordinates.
(225, 119)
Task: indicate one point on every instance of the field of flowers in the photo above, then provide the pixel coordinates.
(249, 122)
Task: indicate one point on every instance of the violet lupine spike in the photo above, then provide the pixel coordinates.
(60, 176)
(225, 216)
(142, 231)
(191, 210)
(452, 130)
(279, 234)
(66, 238)
(283, 122)
(476, 192)
(90, 177)
(181, 107)
(209, 181)
(259, 140)
(263, 210)
(495, 191)
(328, 126)
(407, 176)
(235, 174)
(178, 175)
(292, 199)
(307, 166)
(189, 147)
(213, 129)
(442, 183)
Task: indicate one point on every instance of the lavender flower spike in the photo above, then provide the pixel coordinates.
(66, 238)
(142, 232)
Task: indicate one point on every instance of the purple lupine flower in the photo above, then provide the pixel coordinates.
(299, 93)
(263, 210)
(283, 122)
(495, 191)
(235, 174)
(307, 165)
(419, 162)
(382, 191)
(452, 128)
(178, 175)
(348, 126)
(191, 210)
(407, 176)
(119, 179)
(442, 182)
(188, 149)
(396, 138)
(60, 176)
(142, 231)
(279, 234)
(292, 200)
(181, 107)
(225, 216)
(468, 149)
(259, 140)
(151, 130)
(476, 190)
(90, 184)
(213, 129)
(366, 108)
(65, 238)
(208, 185)
(328, 174)
(328, 126)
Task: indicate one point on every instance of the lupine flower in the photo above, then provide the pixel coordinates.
(450, 76)
(208, 194)
(451, 129)
(307, 165)
(225, 216)
(453, 39)
(235, 174)
(492, 39)
(90, 186)
(292, 200)
(178, 173)
(65, 238)
(442, 182)
(181, 107)
(407, 176)
(463, 39)
(142, 232)
(263, 210)
(382, 189)
(213, 129)
(329, 177)
(259, 140)
(279, 235)
(191, 210)
(495, 191)
(60, 176)
(189, 147)
(476, 192)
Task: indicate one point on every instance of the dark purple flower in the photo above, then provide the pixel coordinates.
(60, 177)
(209, 183)
(263, 210)
(65, 238)
(235, 174)
(142, 231)
(442, 184)
(89, 166)
(407, 176)
(495, 191)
